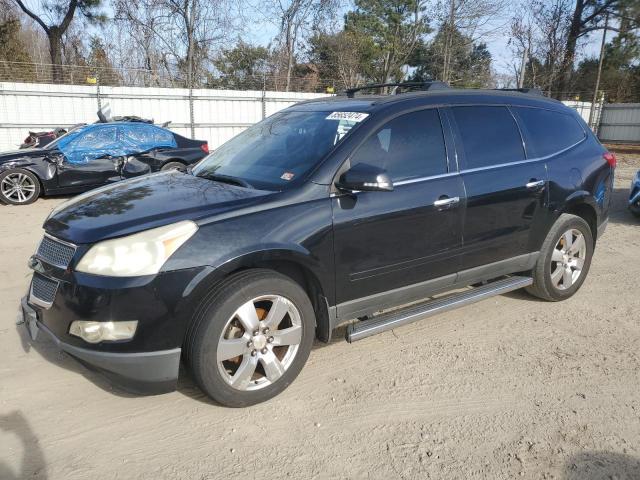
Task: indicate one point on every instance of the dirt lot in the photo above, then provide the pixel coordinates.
(511, 387)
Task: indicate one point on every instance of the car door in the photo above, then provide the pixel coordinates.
(393, 247)
(506, 193)
(90, 159)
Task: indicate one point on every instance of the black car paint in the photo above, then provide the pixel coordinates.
(354, 252)
(58, 176)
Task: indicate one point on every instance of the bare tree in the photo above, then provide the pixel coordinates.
(177, 35)
(472, 18)
(55, 20)
(294, 19)
(587, 16)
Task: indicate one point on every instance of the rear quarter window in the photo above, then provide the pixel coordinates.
(548, 132)
(489, 134)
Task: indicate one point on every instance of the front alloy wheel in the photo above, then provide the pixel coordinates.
(259, 342)
(250, 337)
(19, 187)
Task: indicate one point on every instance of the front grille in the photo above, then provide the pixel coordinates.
(43, 289)
(55, 252)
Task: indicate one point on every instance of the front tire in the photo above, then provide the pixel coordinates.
(19, 187)
(565, 258)
(251, 337)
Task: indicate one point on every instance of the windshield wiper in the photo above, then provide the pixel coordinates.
(226, 179)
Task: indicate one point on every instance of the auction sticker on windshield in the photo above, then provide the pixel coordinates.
(353, 116)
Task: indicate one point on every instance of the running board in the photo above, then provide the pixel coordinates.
(397, 318)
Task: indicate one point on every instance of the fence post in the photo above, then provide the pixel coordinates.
(98, 97)
(191, 114)
(264, 96)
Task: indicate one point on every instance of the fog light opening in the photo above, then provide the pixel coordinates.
(96, 332)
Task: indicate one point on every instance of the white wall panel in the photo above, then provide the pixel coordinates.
(218, 114)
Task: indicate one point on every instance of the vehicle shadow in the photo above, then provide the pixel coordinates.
(619, 212)
(602, 466)
(32, 464)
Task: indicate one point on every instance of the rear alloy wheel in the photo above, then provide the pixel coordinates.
(19, 187)
(567, 259)
(564, 261)
(181, 167)
(251, 337)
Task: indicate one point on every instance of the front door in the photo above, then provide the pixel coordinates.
(91, 159)
(388, 244)
(506, 193)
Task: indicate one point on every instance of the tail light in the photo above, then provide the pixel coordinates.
(205, 147)
(611, 159)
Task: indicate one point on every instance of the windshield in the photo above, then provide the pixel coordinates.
(281, 149)
(65, 139)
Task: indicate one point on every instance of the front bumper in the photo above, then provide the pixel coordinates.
(143, 372)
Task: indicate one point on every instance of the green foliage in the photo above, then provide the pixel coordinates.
(394, 27)
(243, 66)
(13, 49)
(470, 64)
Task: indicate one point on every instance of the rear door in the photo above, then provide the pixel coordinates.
(387, 242)
(505, 192)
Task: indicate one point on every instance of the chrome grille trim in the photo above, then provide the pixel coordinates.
(43, 290)
(55, 252)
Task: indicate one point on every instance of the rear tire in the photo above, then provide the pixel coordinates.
(251, 337)
(174, 166)
(19, 187)
(564, 261)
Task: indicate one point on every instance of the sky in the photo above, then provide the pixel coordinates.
(260, 32)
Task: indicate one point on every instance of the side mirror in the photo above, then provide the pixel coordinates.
(366, 178)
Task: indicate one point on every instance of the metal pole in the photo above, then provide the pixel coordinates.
(190, 68)
(523, 67)
(264, 96)
(600, 62)
(99, 98)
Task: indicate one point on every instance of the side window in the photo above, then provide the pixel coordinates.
(490, 135)
(547, 132)
(409, 146)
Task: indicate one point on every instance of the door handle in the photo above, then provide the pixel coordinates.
(535, 184)
(446, 202)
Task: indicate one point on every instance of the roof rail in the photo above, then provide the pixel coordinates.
(435, 85)
(530, 91)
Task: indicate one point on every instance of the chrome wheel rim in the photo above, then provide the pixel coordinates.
(259, 342)
(567, 259)
(18, 187)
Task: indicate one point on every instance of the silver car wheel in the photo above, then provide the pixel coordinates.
(568, 259)
(18, 187)
(259, 342)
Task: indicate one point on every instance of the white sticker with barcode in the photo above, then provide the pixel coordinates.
(352, 116)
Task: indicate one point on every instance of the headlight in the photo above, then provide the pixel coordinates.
(96, 332)
(142, 253)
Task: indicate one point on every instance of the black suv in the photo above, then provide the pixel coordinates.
(341, 209)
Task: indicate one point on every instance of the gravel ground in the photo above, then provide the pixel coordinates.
(510, 387)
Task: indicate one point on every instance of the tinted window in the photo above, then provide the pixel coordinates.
(548, 132)
(490, 135)
(409, 146)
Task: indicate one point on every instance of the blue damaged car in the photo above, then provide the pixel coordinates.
(634, 196)
(93, 155)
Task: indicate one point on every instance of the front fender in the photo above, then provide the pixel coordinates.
(45, 171)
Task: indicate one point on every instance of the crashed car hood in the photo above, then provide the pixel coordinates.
(145, 202)
(26, 154)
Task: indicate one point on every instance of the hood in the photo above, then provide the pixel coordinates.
(145, 202)
(25, 154)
